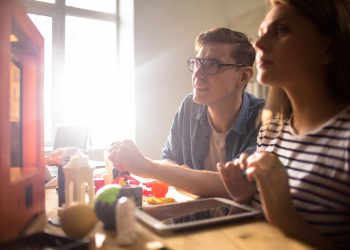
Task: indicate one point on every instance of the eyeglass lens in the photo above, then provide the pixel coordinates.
(209, 66)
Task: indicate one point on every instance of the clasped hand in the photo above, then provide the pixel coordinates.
(270, 176)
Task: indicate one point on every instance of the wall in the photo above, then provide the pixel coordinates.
(164, 34)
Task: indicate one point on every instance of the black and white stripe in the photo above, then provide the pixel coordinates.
(318, 165)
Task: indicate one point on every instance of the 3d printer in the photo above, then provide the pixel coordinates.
(22, 193)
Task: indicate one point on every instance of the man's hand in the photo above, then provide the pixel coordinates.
(127, 157)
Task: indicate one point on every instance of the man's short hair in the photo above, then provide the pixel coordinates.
(242, 51)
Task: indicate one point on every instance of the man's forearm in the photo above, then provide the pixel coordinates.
(198, 182)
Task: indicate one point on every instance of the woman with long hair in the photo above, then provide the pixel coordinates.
(302, 164)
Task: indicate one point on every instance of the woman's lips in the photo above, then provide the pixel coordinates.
(261, 63)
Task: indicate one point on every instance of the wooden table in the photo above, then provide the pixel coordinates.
(243, 236)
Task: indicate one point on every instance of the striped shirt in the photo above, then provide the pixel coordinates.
(318, 166)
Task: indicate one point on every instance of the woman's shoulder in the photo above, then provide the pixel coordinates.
(274, 123)
(273, 127)
(344, 115)
(340, 121)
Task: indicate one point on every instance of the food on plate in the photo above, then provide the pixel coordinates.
(159, 189)
(159, 200)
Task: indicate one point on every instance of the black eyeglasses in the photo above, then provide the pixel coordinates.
(210, 66)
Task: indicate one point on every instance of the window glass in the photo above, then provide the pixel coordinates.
(44, 25)
(93, 94)
(107, 6)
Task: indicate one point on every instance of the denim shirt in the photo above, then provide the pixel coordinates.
(189, 138)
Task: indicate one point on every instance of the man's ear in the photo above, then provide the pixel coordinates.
(247, 73)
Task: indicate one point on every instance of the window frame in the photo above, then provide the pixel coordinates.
(58, 12)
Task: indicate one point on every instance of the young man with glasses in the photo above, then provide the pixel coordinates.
(216, 123)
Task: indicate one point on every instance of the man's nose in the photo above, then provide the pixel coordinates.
(200, 71)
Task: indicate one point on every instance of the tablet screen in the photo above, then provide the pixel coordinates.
(194, 213)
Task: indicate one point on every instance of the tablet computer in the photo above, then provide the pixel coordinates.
(203, 212)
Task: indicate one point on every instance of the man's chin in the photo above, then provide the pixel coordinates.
(199, 99)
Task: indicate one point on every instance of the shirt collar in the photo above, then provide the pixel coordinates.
(202, 114)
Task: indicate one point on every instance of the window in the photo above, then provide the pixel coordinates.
(46, 1)
(81, 79)
(107, 6)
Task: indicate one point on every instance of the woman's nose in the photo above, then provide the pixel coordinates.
(260, 43)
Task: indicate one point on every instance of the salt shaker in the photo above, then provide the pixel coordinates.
(125, 221)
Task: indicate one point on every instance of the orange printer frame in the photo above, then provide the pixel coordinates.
(22, 192)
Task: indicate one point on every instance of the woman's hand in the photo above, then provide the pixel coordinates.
(233, 176)
(272, 181)
(127, 157)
